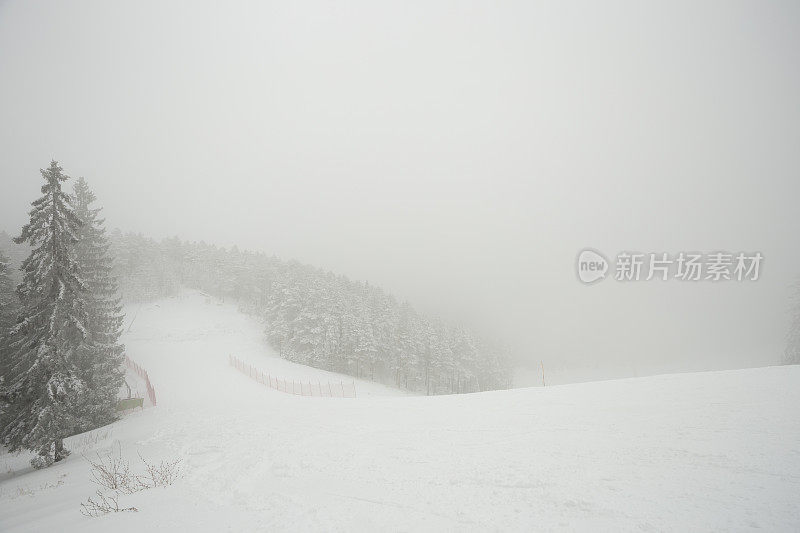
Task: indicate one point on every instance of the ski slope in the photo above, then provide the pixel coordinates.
(699, 452)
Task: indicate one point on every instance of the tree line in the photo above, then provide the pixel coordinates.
(316, 317)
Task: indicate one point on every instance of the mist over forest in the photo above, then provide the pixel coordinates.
(311, 316)
(461, 169)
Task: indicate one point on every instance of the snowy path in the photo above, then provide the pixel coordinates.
(709, 451)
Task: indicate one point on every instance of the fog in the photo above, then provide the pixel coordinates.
(458, 154)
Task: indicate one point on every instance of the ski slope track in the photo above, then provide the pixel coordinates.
(685, 452)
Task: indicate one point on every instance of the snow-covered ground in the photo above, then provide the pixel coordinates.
(687, 452)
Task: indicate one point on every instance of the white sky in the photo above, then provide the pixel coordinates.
(459, 154)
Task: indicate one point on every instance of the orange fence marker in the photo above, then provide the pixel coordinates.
(142, 373)
(298, 387)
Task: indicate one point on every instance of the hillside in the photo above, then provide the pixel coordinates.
(704, 451)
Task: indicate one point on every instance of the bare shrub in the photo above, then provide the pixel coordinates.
(104, 504)
(161, 475)
(114, 473)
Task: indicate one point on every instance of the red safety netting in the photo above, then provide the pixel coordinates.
(297, 387)
(142, 373)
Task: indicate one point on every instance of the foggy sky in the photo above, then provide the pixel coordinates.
(458, 154)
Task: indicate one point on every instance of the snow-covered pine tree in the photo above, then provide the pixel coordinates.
(8, 316)
(465, 354)
(442, 361)
(8, 299)
(102, 356)
(366, 350)
(44, 385)
(791, 356)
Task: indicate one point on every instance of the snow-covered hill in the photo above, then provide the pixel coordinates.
(184, 344)
(705, 451)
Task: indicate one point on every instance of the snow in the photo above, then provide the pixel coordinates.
(703, 451)
(189, 339)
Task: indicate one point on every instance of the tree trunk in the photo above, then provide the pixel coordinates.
(59, 450)
(427, 380)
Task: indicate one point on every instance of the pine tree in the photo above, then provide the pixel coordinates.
(8, 300)
(791, 355)
(102, 356)
(44, 385)
(465, 354)
(366, 350)
(9, 306)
